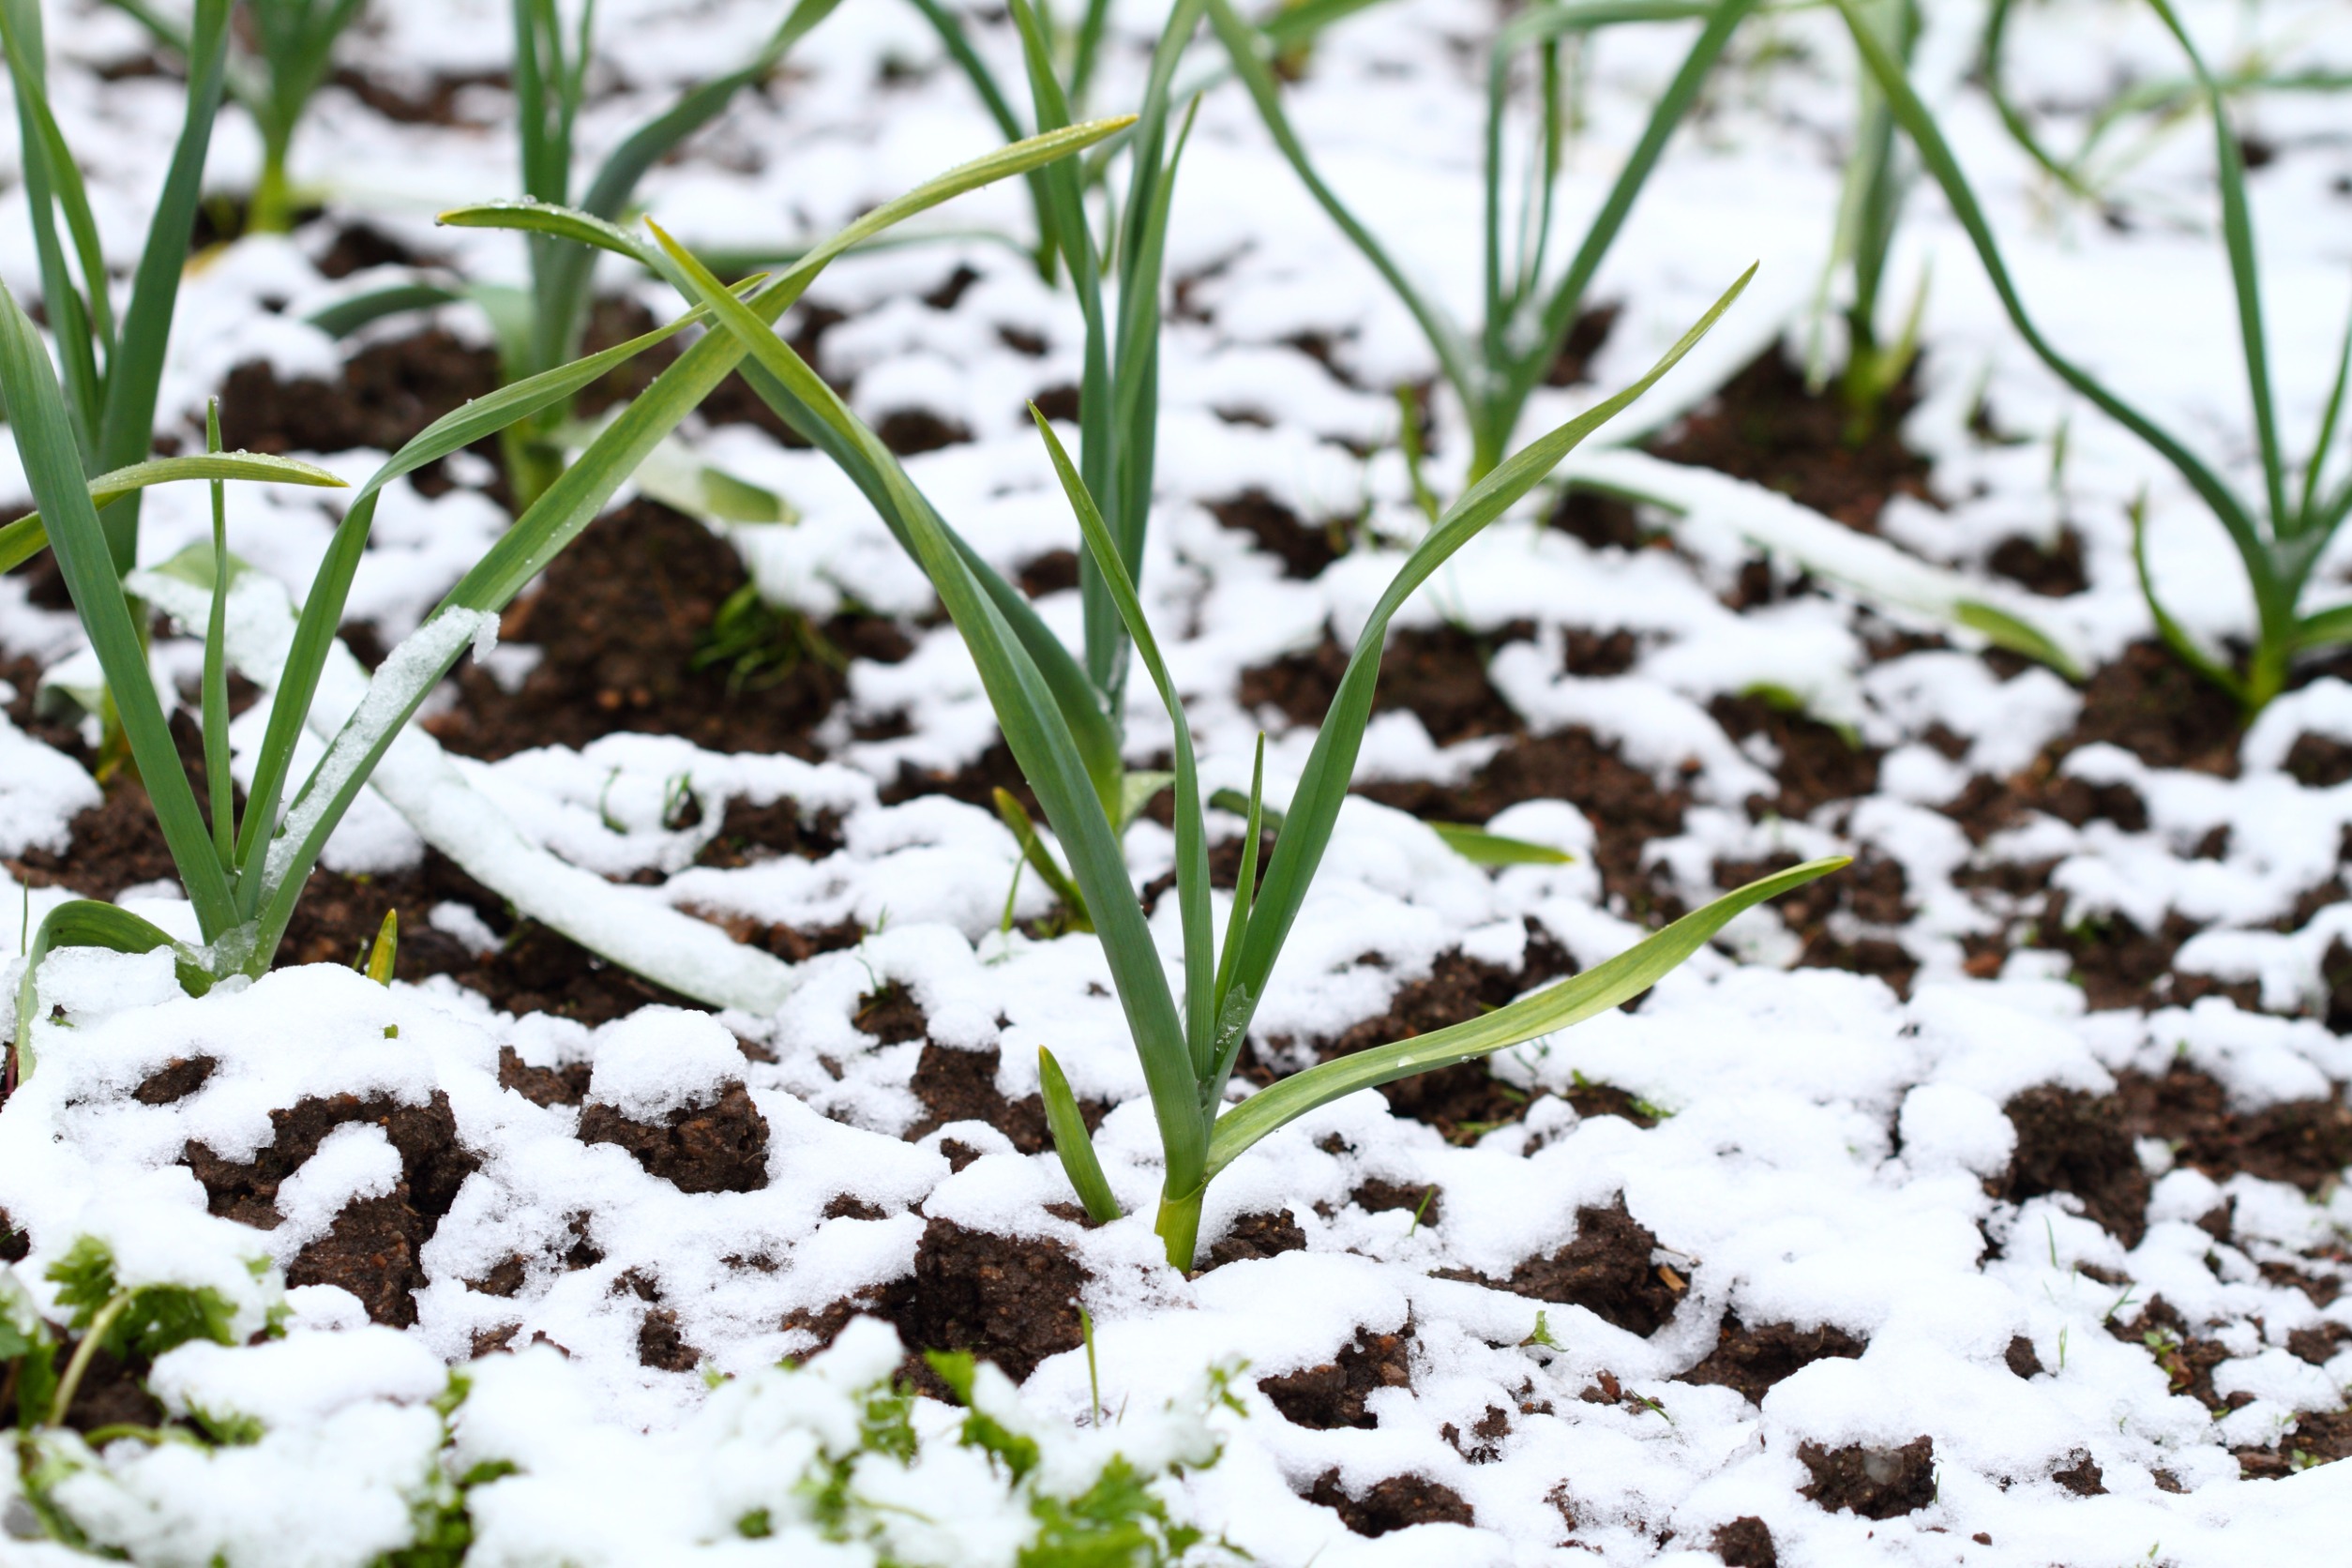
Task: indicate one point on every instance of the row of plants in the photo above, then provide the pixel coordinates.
(1060, 713)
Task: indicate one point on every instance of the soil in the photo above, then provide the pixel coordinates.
(1872, 890)
(1746, 1542)
(2307, 1142)
(628, 623)
(2054, 572)
(1333, 1394)
(1606, 1269)
(1874, 1483)
(2074, 1142)
(1393, 1503)
(1439, 676)
(1304, 550)
(1625, 805)
(721, 1147)
(1425, 1203)
(661, 1347)
(1013, 1301)
(385, 394)
(1753, 1360)
(1767, 426)
(1818, 764)
(1462, 1101)
(960, 1086)
(372, 1249)
(1252, 1236)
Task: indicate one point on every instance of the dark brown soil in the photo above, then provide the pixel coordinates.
(1626, 807)
(1375, 1197)
(111, 1393)
(1607, 1270)
(1874, 1483)
(1013, 1301)
(1393, 1503)
(2308, 1142)
(1439, 676)
(661, 1347)
(2079, 1144)
(2053, 573)
(1753, 1360)
(1767, 426)
(626, 620)
(115, 845)
(2022, 1359)
(372, 1249)
(1304, 550)
(1587, 338)
(2083, 1477)
(176, 1079)
(721, 1147)
(1253, 1236)
(385, 395)
(1746, 1542)
(1462, 1101)
(2153, 706)
(1333, 1394)
(960, 1086)
(1872, 890)
(1492, 1425)
(1817, 764)
(2320, 1437)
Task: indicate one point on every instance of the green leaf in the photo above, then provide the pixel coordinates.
(344, 317)
(2007, 631)
(21, 540)
(2324, 628)
(1015, 817)
(26, 538)
(1481, 848)
(1072, 1142)
(528, 215)
(1555, 1007)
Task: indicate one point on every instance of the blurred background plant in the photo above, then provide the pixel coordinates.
(2278, 534)
(1493, 368)
(290, 48)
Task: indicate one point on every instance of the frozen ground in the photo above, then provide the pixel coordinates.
(1811, 1153)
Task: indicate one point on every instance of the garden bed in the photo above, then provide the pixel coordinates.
(1982, 1203)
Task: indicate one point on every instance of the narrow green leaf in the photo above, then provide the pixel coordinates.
(21, 540)
(2007, 631)
(1481, 848)
(1072, 1142)
(2324, 628)
(45, 446)
(347, 316)
(385, 951)
(530, 216)
(1556, 1007)
(1016, 818)
(2176, 636)
(1231, 1021)
(214, 702)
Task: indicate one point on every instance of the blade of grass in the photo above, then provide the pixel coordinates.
(45, 446)
(1237, 922)
(1482, 848)
(214, 703)
(1192, 852)
(1072, 1142)
(1016, 819)
(27, 537)
(1556, 1007)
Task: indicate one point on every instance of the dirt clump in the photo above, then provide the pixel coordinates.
(1461, 1101)
(2079, 1144)
(1818, 764)
(1626, 807)
(646, 623)
(1255, 1236)
(1753, 1360)
(750, 833)
(373, 1248)
(1746, 1542)
(2082, 1476)
(958, 1085)
(1766, 425)
(891, 1015)
(1333, 1394)
(383, 397)
(661, 1347)
(1606, 1269)
(2320, 1437)
(176, 1080)
(2153, 706)
(2306, 1142)
(566, 1084)
(1873, 891)
(1376, 1196)
(1304, 550)
(720, 1147)
(1439, 676)
(1874, 1483)
(2053, 571)
(1392, 1503)
(1013, 1301)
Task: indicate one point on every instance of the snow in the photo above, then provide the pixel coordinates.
(1825, 1155)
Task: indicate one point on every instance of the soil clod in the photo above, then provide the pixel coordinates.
(721, 1147)
(1753, 1360)
(2075, 1142)
(1606, 1269)
(1746, 1542)
(1393, 1503)
(1333, 1394)
(1874, 1483)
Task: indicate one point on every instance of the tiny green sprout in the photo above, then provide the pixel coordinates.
(388, 945)
(1420, 1209)
(2061, 1347)
(1093, 1375)
(1540, 1335)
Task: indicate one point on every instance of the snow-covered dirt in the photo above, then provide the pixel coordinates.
(1980, 1205)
